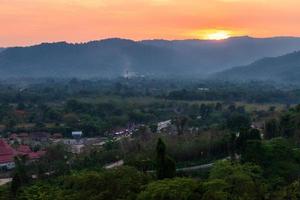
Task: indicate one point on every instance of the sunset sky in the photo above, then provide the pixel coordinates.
(24, 22)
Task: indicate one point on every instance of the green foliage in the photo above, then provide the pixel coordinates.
(290, 192)
(279, 160)
(235, 181)
(246, 135)
(20, 176)
(271, 129)
(178, 188)
(238, 122)
(122, 183)
(165, 166)
(55, 161)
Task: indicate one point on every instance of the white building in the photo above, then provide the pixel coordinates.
(77, 134)
(163, 125)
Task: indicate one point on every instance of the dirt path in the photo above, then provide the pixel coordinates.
(4, 181)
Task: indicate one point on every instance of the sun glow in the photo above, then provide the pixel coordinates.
(219, 35)
(214, 34)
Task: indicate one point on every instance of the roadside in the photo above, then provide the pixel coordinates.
(5, 181)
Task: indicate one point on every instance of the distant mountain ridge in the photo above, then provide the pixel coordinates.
(284, 68)
(115, 57)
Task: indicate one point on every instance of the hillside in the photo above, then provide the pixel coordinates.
(283, 68)
(114, 57)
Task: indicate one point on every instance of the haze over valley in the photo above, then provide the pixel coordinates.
(113, 58)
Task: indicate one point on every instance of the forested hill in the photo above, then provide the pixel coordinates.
(284, 68)
(114, 57)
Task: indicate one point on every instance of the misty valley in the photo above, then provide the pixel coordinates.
(120, 119)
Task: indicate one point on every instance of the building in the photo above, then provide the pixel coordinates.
(163, 126)
(7, 154)
(77, 134)
(24, 138)
(40, 137)
(57, 136)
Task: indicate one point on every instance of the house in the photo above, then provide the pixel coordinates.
(13, 136)
(7, 154)
(25, 150)
(120, 132)
(24, 138)
(40, 137)
(203, 89)
(57, 136)
(77, 134)
(162, 126)
(23, 135)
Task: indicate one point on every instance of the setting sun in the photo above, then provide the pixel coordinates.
(219, 35)
(214, 34)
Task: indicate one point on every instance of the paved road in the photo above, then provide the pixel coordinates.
(205, 166)
(114, 165)
(192, 168)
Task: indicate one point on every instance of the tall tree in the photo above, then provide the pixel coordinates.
(271, 129)
(20, 177)
(165, 166)
(180, 123)
(246, 135)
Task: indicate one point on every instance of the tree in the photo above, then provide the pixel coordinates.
(219, 107)
(180, 123)
(20, 176)
(254, 152)
(291, 192)
(10, 122)
(165, 166)
(169, 189)
(232, 146)
(271, 129)
(115, 184)
(238, 122)
(246, 135)
(236, 181)
(55, 160)
(287, 126)
(153, 128)
(71, 119)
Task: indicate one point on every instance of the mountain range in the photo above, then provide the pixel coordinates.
(115, 57)
(284, 68)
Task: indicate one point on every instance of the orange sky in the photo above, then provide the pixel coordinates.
(24, 22)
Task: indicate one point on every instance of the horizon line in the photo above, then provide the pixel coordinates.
(153, 39)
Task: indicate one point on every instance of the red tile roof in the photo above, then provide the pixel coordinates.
(7, 153)
(24, 149)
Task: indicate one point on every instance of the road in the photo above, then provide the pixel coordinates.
(192, 168)
(114, 165)
(4, 181)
